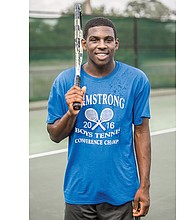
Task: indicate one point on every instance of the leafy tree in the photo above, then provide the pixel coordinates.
(99, 10)
(95, 11)
(70, 10)
(148, 9)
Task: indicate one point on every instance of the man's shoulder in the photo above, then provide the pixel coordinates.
(66, 73)
(65, 76)
(136, 72)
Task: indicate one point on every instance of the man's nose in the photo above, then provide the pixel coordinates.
(102, 44)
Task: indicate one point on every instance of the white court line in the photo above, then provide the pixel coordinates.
(65, 150)
(154, 133)
(48, 153)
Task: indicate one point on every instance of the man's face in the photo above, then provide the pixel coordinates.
(100, 45)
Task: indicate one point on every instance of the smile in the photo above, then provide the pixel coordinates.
(101, 55)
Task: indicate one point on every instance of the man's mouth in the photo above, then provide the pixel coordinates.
(102, 55)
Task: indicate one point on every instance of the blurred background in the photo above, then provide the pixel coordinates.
(146, 29)
(147, 33)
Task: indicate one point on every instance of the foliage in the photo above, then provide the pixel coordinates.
(148, 9)
(135, 8)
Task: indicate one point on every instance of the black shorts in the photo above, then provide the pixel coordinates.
(103, 211)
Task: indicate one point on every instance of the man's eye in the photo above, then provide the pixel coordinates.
(93, 39)
(109, 40)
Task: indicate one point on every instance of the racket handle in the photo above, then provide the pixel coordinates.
(137, 218)
(77, 105)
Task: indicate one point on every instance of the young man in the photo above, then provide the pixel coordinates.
(101, 178)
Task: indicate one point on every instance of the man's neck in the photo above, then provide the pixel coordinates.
(99, 71)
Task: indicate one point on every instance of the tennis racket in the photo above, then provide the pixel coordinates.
(78, 49)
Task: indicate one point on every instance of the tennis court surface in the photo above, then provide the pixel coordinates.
(48, 160)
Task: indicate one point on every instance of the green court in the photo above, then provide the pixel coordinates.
(48, 160)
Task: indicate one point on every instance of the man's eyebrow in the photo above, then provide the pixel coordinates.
(97, 37)
(94, 36)
(109, 37)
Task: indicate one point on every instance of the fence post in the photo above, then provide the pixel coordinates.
(135, 33)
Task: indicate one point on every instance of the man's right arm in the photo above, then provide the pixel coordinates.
(62, 127)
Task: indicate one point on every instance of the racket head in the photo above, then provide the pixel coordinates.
(106, 115)
(91, 114)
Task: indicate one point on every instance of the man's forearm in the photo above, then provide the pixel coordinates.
(143, 152)
(61, 128)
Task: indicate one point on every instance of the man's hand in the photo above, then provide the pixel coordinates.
(75, 94)
(141, 202)
(62, 127)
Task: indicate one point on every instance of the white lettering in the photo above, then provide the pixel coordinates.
(107, 134)
(88, 141)
(111, 142)
(82, 131)
(104, 99)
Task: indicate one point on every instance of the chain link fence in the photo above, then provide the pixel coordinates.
(147, 44)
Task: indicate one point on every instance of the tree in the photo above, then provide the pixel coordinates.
(95, 11)
(148, 9)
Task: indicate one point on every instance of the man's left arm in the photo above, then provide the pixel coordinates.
(143, 154)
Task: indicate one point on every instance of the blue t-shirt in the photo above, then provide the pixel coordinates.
(101, 162)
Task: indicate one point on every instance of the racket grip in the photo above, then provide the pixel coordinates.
(77, 105)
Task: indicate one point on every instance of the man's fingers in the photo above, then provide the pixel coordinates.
(84, 89)
(136, 205)
(140, 210)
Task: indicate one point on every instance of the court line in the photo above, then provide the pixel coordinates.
(165, 131)
(48, 153)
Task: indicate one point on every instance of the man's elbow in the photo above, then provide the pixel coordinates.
(55, 139)
(52, 134)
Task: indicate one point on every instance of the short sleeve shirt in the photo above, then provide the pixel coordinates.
(101, 162)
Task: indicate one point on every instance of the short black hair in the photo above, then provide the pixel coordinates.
(98, 21)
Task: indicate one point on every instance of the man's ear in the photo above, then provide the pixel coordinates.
(83, 41)
(117, 43)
